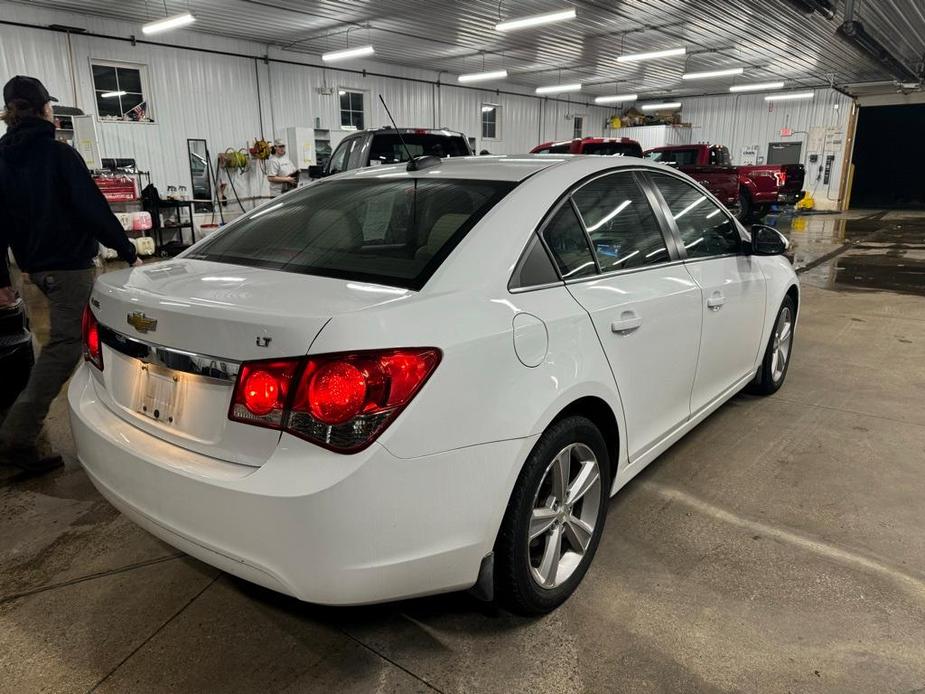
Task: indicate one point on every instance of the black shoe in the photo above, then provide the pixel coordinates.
(30, 460)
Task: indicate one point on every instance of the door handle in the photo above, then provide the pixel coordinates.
(629, 321)
(715, 302)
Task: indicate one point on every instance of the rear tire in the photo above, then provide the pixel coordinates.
(554, 519)
(776, 362)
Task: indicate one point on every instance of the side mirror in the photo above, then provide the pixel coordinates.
(317, 170)
(768, 241)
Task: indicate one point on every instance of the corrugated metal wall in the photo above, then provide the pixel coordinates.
(650, 136)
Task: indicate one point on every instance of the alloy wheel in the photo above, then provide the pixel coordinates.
(564, 515)
(783, 338)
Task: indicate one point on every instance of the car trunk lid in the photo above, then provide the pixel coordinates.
(175, 333)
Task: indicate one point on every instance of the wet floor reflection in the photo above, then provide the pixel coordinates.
(859, 251)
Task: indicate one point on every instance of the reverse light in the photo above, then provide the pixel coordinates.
(90, 336)
(339, 401)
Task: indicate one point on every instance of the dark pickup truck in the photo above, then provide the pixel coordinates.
(602, 146)
(748, 190)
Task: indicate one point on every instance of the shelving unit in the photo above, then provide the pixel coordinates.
(160, 217)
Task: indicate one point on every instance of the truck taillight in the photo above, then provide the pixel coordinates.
(340, 401)
(781, 178)
(90, 335)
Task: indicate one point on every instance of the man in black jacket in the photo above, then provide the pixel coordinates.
(53, 217)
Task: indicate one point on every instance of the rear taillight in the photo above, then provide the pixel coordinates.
(90, 334)
(339, 401)
(781, 178)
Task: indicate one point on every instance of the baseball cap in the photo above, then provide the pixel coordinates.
(29, 90)
(279, 143)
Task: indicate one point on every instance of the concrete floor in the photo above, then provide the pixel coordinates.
(777, 548)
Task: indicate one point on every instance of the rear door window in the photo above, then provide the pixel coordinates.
(390, 232)
(623, 229)
(678, 157)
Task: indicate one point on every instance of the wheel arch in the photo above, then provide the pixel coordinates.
(602, 415)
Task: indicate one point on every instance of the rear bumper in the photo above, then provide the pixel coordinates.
(323, 527)
(791, 198)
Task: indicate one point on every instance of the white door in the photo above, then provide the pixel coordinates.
(645, 307)
(733, 288)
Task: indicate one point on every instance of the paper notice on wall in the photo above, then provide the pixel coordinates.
(749, 156)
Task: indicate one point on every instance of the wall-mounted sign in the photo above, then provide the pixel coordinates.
(749, 156)
(786, 132)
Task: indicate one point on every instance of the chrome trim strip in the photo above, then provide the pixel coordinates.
(216, 368)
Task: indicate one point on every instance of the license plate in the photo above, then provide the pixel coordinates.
(160, 394)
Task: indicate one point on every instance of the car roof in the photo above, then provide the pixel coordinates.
(493, 167)
(387, 129)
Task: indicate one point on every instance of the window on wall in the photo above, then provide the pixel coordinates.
(351, 110)
(121, 92)
(578, 123)
(491, 122)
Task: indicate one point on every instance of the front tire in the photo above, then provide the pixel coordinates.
(773, 371)
(744, 212)
(554, 519)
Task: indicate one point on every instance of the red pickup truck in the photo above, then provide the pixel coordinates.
(749, 190)
(607, 146)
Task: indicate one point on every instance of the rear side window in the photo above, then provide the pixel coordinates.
(388, 149)
(704, 228)
(390, 232)
(620, 222)
(618, 149)
(568, 244)
(535, 268)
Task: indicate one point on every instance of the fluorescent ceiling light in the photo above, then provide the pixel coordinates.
(558, 89)
(483, 76)
(536, 20)
(790, 96)
(107, 95)
(341, 92)
(489, 109)
(615, 98)
(168, 23)
(636, 57)
(712, 73)
(667, 106)
(759, 87)
(347, 54)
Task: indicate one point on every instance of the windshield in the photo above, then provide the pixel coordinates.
(620, 149)
(389, 232)
(388, 149)
(678, 157)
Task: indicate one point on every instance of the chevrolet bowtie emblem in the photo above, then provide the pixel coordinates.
(141, 322)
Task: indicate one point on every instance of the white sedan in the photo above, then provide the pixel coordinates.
(398, 382)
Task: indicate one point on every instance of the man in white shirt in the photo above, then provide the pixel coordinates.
(280, 170)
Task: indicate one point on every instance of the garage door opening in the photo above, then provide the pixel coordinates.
(888, 156)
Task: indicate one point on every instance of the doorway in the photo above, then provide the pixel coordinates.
(785, 153)
(888, 156)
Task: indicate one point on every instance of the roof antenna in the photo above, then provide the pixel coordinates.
(414, 164)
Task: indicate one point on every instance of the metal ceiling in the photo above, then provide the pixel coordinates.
(770, 38)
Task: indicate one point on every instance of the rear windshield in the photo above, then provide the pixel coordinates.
(388, 232)
(623, 149)
(387, 149)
